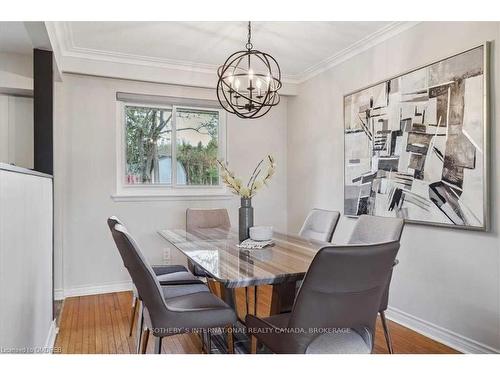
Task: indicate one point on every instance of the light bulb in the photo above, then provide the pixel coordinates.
(250, 74)
(237, 84)
(230, 79)
(259, 85)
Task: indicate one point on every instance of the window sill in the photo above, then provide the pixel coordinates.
(174, 196)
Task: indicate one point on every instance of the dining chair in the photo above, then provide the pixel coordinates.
(168, 276)
(167, 315)
(375, 229)
(320, 225)
(199, 218)
(336, 307)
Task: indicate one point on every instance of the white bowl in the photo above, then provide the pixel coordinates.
(261, 233)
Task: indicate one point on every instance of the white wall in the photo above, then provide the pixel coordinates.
(84, 172)
(25, 260)
(16, 112)
(16, 130)
(448, 281)
(16, 72)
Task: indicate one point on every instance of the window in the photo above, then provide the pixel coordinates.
(197, 150)
(171, 146)
(148, 145)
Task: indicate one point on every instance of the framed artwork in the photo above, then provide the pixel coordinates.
(416, 145)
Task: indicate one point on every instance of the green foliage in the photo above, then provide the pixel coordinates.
(199, 162)
(148, 133)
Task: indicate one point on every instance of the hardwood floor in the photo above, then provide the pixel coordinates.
(99, 324)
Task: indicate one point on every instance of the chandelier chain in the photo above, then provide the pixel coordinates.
(249, 44)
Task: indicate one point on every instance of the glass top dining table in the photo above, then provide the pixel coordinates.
(217, 253)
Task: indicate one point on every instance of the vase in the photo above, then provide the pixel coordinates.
(246, 218)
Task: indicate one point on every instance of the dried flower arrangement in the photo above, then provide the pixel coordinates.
(254, 183)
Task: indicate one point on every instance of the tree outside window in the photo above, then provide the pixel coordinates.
(157, 139)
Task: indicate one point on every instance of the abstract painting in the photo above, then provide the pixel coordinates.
(415, 145)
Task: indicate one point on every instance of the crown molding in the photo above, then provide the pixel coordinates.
(126, 58)
(356, 48)
(74, 59)
(64, 34)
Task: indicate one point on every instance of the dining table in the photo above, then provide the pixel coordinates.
(216, 251)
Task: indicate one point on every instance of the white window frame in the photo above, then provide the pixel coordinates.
(139, 192)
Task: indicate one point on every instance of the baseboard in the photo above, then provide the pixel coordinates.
(58, 294)
(87, 290)
(51, 337)
(445, 336)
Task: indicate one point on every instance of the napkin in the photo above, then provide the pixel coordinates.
(251, 244)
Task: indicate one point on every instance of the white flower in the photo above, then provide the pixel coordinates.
(256, 185)
(236, 184)
(244, 192)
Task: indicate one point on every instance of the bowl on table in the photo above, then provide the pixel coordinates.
(261, 233)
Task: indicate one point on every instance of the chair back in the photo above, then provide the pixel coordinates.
(140, 271)
(342, 290)
(375, 229)
(320, 225)
(197, 218)
(112, 220)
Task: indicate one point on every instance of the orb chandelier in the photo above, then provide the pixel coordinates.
(249, 82)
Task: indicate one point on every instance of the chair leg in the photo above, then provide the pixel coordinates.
(230, 340)
(133, 312)
(144, 341)
(140, 326)
(201, 336)
(253, 344)
(206, 342)
(209, 342)
(158, 345)
(386, 332)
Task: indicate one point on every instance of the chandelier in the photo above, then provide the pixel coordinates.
(249, 82)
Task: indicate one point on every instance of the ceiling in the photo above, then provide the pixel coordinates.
(189, 53)
(299, 47)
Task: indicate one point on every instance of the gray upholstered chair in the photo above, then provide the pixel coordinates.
(168, 277)
(174, 279)
(200, 218)
(337, 305)
(320, 225)
(374, 229)
(166, 314)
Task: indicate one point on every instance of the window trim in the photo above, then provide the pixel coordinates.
(162, 190)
